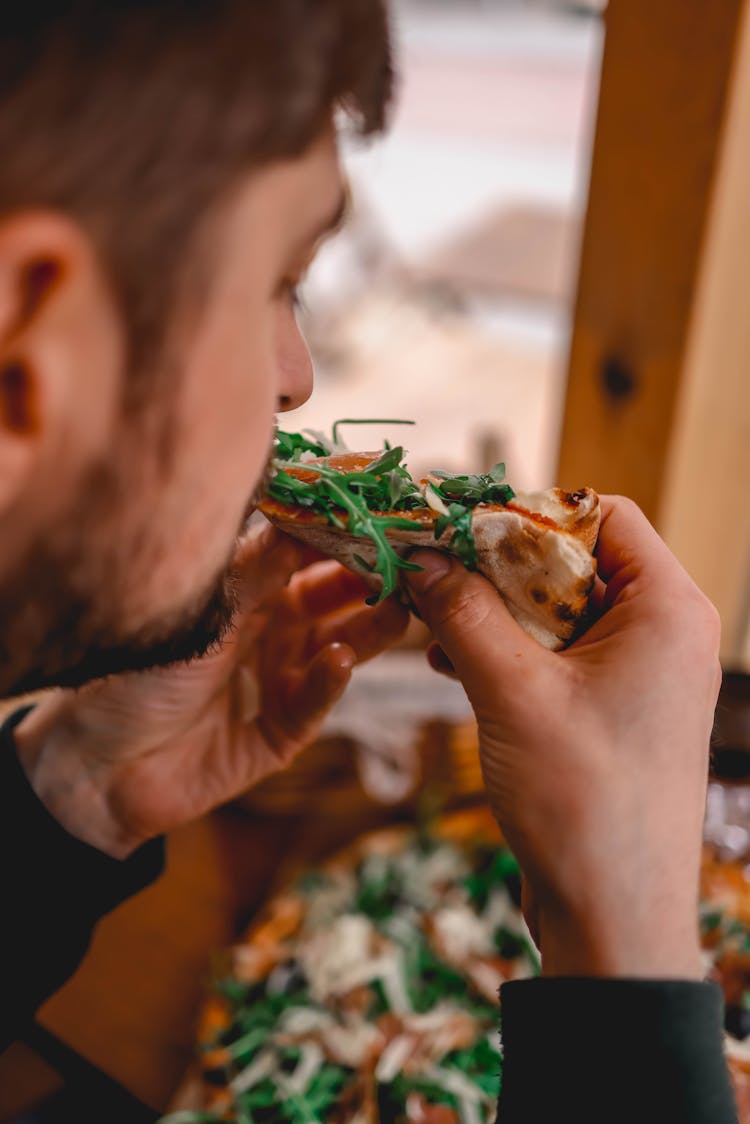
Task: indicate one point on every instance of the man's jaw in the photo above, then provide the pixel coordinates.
(71, 651)
(55, 636)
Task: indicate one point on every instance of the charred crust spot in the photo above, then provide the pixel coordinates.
(510, 551)
(563, 611)
(539, 596)
(573, 499)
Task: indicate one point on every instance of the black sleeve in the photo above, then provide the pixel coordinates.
(54, 889)
(635, 1051)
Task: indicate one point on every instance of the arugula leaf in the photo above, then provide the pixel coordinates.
(384, 485)
(365, 421)
(290, 446)
(481, 1063)
(482, 487)
(343, 490)
(392, 1098)
(387, 461)
(462, 543)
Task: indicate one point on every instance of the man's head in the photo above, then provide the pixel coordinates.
(169, 167)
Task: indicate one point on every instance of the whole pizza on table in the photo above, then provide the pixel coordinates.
(368, 991)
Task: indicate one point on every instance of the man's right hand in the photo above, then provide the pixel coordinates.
(596, 758)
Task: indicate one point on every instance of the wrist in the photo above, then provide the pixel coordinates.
(50, 751)
(653, 944)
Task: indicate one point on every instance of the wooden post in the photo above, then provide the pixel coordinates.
(658, 403)
(704, 511)
(661, 106)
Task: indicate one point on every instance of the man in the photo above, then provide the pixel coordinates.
(173, 166)
(169, 169)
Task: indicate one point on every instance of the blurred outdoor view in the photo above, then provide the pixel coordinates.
(448, 297)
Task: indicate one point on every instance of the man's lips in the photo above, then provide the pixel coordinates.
(261, 487)
(259, 491)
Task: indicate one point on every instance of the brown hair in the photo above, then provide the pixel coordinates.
(134, 116)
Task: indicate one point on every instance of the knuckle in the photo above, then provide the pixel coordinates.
(705, 621)
(463, 608)
(687, 612)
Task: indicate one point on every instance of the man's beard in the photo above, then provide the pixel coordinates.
(70, 654)
(58, 615)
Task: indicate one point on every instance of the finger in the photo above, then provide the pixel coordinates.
(367, 630)
(471, 623)
(438, 661)
(261, 540)
(327, 587)
(308, 700)
(263, 564)
(310, 555)
(628, 547)
(281, 730)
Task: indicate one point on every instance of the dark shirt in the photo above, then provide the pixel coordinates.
(53, 890)
(614, 1051)
(575, 1050)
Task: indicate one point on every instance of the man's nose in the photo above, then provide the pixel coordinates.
(293, 358)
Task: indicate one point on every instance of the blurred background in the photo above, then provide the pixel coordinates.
(448, 297)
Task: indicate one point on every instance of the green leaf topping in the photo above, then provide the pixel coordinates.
(364, 421)
(332, 491)
(482, 487)
(291, 446)
(367, 502)
(462, 543)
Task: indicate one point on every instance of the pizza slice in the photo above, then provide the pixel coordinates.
(365, 510)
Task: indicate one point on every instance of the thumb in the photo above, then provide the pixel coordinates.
(469, 618)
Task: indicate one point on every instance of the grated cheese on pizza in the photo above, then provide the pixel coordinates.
(370, 992)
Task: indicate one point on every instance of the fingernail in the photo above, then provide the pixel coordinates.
(434, 566)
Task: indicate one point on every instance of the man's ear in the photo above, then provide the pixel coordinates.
(60, 347)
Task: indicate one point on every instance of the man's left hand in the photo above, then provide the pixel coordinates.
(129, 757)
